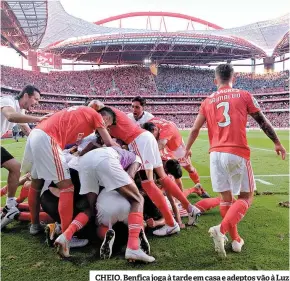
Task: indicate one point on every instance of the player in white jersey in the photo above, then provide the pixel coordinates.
(138, 114)
(13, 112)
(106, 167)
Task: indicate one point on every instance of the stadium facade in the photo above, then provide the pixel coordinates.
(46, 26)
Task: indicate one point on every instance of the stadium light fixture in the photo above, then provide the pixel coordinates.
(147, 61)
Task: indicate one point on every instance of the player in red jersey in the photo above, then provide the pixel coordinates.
(171, 143)
(145, 146)
(45, 160)
(225, 112)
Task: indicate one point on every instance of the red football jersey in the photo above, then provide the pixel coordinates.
(168, 131)
(226, 112)
(125, 129)
(72, 124)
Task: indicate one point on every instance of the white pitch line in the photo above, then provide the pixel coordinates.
(251, 147)
(264, 149)
(263, 182)
(282, 175)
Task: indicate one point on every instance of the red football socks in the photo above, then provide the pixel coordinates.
(65, 206)
(159, 200)
(78, 223)
(207, 204)
(135, 224)
(233, 216)
(23, 193)
(194, 177)
(175, 191)
(34, 205)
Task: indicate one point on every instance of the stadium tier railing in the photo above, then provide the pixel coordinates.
(160, 95)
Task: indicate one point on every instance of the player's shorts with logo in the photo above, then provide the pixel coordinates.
(44, 158)
(146, 147)
(231, 172)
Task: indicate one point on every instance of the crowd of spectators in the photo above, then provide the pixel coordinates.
(134, 81)
(116, 83)
(165, 107)
(274, 105)
(184, 80)
(270, 97)
(51, 106)
(200, 80)
(151, 100)
(185, 121)
(61, 98)
(65, 82)
(110, 81)
(137, 80)
(278, 119)
(261, 82)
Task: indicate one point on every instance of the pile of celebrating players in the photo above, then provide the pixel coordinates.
(94, 166)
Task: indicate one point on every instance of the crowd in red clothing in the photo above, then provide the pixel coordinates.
(136, 80)
(112, 81)
(160, 106)
(192, 84)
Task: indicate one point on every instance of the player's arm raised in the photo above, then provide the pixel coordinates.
(268, 129)
(194, 132)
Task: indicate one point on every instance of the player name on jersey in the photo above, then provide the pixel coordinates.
(224, 97)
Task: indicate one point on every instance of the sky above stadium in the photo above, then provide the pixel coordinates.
(226, 13)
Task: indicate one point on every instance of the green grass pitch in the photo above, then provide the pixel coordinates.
(265, 228)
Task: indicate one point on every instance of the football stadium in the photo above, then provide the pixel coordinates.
(113, 127)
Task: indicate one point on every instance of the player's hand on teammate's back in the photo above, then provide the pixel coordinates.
(45, 117)
(280, 150)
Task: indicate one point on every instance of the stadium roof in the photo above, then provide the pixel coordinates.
(46, 25)
(164, 48)
(283, 46)
(24, 22)
(264, 34)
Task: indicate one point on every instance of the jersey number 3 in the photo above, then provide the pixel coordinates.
(226, 106)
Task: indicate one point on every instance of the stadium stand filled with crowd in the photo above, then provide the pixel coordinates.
(175, 93)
